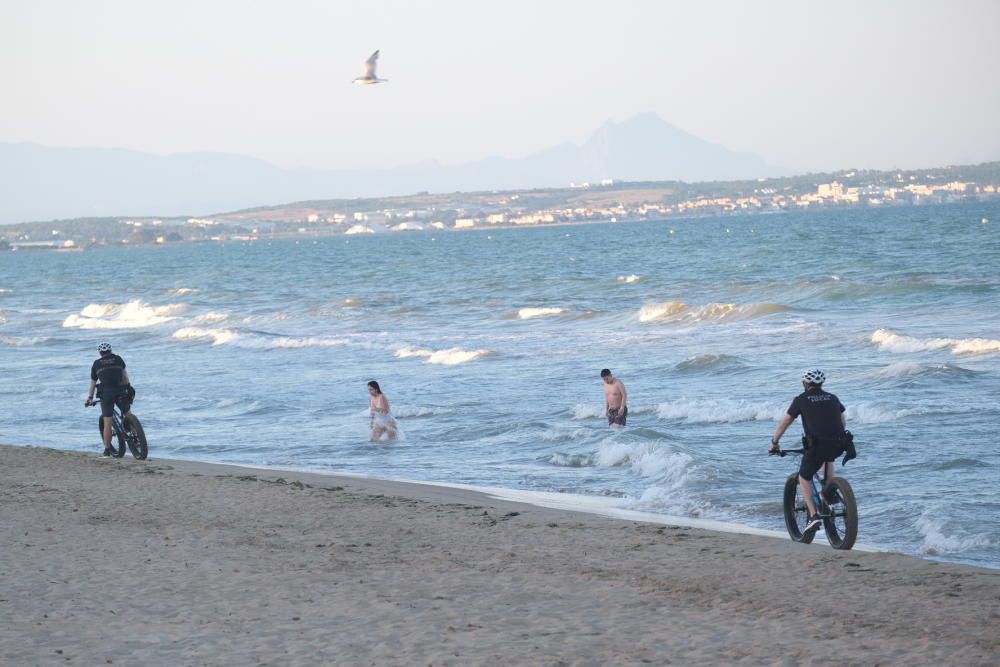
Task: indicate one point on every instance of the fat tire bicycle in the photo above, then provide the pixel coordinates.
(127, 430)
(835, 505)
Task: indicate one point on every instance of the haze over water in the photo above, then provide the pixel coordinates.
(489, 344)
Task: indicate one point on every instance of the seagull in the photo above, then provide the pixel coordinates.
(369, 78)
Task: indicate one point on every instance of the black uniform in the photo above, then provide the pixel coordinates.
(109, 373)
(820, 411)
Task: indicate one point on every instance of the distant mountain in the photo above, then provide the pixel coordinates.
(41, 183)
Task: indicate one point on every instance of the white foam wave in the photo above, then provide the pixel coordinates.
(719, 410)
(217, 336)
(587, 411)
(252, 341)
(451, 356)
(181, 291)
(899, 369)
(596, 410)
(132, 315)
(632, 278)
(211, 317)
(417, 411)
(711, 312)
(561, 435)
(528, 313)
(908, 368)
(937, 539)
(877, 414)
(894, 342)
(670, 470)
(22, 341)
(571, 460)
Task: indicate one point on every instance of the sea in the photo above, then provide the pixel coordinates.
(489, 344)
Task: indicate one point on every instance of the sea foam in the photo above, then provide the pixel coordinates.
(629, 278)
(894, 342)
(132, 315)
(711, 312)
(529, 313)
(719, 410)
(253, 341)
(937, 540)
(449, 357)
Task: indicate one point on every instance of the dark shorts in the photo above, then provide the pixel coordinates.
(616, 417)
(112, 395)
(818, 454)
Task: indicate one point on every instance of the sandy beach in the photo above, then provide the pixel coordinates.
(184, 563)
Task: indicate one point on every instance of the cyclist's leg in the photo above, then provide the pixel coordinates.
(809, 466)
(107, 410)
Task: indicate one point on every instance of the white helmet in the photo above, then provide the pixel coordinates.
(814, 376)
(104, 347)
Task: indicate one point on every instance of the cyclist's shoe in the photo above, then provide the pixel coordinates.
(107, 454)
(831, 496)
(812, 524)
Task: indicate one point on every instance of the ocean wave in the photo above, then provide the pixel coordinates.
(22, 341)
(181, 291)
(253, 341)
(704, 362)
(669, 471)
(894, 342)
(529, 313)
(938, 539)
(587, 411)
(414, 411)
(561, 435)
(865, 413)
(596, 410)
(911, 368)
(960, 464)
(211, 318)
(719, 410)
(571, 460)
(451, 356)
(132, 315)
(632, 278)
(711, 312)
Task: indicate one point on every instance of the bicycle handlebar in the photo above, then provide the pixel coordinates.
(786, 452)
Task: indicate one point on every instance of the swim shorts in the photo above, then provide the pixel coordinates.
(616, 417)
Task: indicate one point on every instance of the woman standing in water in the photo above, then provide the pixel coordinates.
(382, 420)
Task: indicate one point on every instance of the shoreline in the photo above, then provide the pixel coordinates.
(181, 562)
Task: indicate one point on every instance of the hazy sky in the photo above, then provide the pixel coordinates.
(807, 85)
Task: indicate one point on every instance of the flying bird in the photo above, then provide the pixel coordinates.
(369, 77)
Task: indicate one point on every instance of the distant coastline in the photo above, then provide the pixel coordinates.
(608, 201)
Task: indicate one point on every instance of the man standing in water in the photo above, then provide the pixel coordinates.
(615, 399)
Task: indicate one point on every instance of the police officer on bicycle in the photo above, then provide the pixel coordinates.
(825, 439)
(109, 371)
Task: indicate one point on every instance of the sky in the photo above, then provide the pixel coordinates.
(806, 85)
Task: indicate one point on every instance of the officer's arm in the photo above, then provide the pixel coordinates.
(786, 421)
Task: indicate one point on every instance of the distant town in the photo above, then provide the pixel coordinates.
(606, 201)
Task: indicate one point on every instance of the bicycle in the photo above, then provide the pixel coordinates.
(128, 431)
(835, 504)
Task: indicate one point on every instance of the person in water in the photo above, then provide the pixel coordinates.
(615, 399)
(382, 420)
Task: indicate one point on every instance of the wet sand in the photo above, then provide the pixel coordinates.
(184, 563)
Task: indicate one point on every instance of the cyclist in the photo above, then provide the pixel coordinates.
(824, 423)
(114, 387)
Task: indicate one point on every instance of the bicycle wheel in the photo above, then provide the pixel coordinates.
(117, 450)
(841, 524)
(135, 437)
(796, 511)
